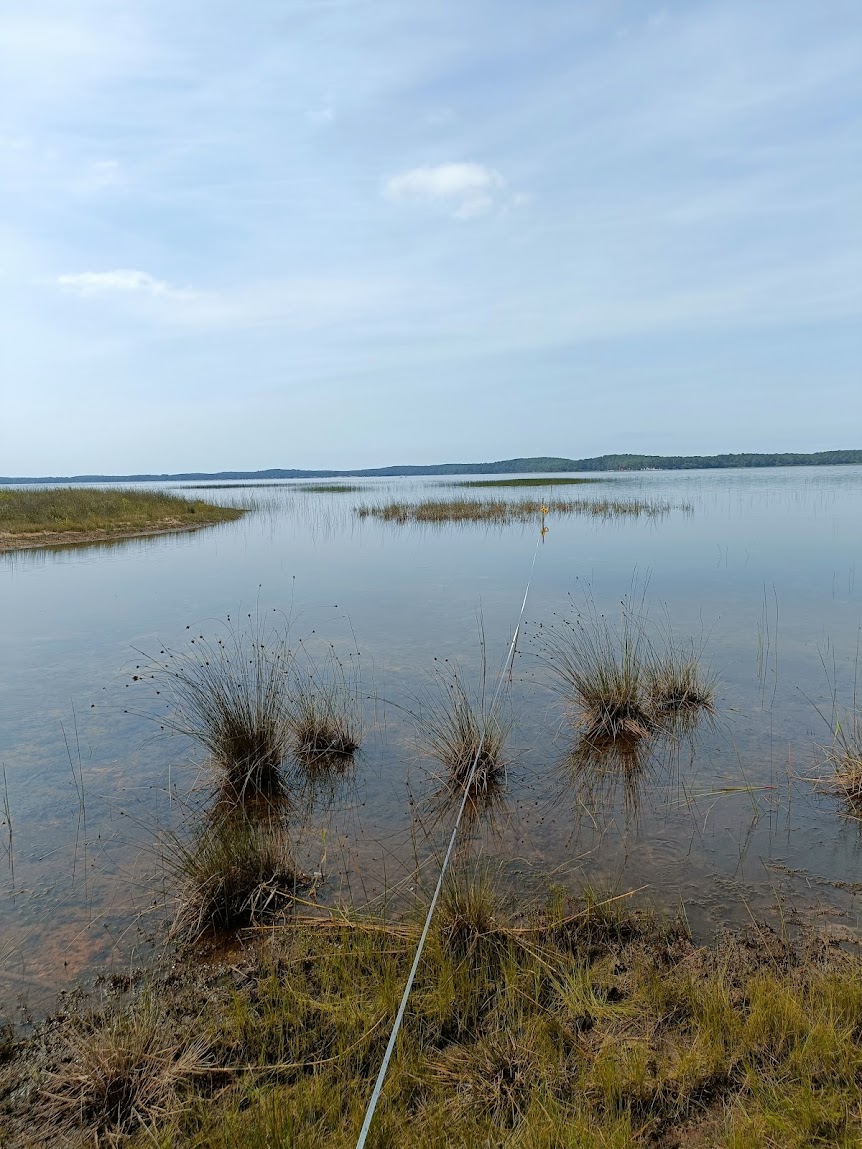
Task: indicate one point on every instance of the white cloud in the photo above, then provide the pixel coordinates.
(123, 280)
(467, 189)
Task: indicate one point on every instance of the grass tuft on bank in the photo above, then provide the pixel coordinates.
(103, 511)
(582, 1022)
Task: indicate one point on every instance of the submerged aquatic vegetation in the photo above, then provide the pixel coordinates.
(501, 511)
(235, 872)
(230, 694)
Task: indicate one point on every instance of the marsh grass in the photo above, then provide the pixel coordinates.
(530, 482)
(577, 1022)
(601, 666)
(55, 510)
(844, 759)
(677, 683)
(466, 736)
(231, 695)
(501, 511)
(324, 718)
(235, 872)
(624, 680)
(124, 1070)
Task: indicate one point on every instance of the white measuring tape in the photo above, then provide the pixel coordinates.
(399, 1017)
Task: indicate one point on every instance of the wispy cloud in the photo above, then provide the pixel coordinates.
(467, 189)
(123, 281)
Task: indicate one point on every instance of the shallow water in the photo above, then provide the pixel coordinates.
(762, 570)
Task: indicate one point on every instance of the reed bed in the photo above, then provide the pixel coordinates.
(502, 511)
(531, 481)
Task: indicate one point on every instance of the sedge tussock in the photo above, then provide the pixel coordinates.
(126, 1072)
(231, 695)
(236, 872)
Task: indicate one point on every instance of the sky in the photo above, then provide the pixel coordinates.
(346, 233)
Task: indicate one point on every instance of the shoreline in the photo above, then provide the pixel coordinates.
(44, 539)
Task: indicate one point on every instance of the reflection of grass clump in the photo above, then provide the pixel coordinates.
(234, 874)
(231, 696)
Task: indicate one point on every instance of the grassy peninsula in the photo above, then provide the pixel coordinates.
(62, 515)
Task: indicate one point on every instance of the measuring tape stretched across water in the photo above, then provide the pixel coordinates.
(399, 1017)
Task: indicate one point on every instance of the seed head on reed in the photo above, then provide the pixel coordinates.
(237, 872)
(127, 1072)
(230, 694)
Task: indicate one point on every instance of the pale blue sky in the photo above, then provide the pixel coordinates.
(342, 233)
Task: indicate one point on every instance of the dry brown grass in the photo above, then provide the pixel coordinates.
(127, 1071)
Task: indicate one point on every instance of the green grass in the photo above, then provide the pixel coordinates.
(584, 1023)
(102, 509)
(500, 511)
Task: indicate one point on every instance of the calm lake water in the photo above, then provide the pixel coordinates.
(761, 570)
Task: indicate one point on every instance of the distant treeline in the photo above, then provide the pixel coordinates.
(500, 467)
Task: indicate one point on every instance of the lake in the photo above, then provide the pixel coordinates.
(756, 566)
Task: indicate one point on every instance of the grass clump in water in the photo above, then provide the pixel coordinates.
(845, 759)
(624, 683)
(467, 737)
(237, 872)
(69, 510)
(324, 713)
(231, 695)
(677, 683)
(602, 667)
